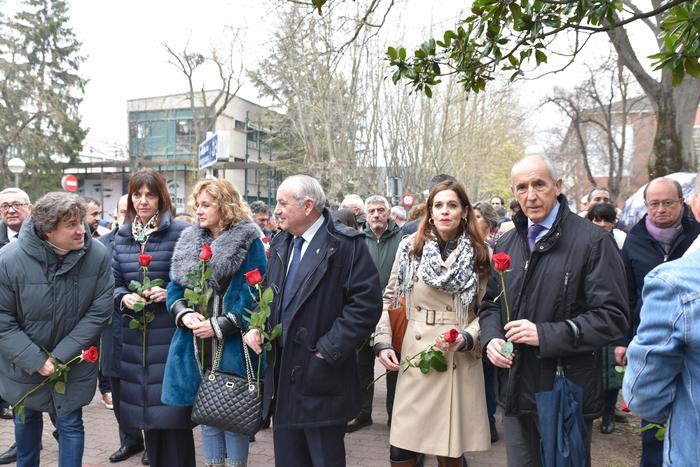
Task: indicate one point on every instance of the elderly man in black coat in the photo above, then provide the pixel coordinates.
(567, 298)
(328, 300)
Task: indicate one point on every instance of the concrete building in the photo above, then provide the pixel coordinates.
(165, 132)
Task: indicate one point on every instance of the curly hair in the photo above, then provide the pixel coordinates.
(54, 207)
(232, 209)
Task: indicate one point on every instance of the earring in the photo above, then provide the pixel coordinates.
(431, 221)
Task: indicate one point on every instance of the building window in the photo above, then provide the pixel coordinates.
(183, 127)
(252, 175)
(139, 130)
(239, 125)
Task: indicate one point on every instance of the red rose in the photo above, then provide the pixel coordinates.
(145, 260)
(501, 261)
(451, 336)
(265, 240)
(253, 277)
(206, 253)
(90, 355)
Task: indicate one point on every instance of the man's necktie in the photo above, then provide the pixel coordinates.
(291, 273)
(532, 232)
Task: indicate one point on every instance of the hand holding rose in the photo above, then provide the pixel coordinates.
(451, 341)
(493, 352)
(254, 340)
(522, 331)
(387, 357)
(47, 368)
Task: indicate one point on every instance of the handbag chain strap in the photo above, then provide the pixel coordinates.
(218, 351)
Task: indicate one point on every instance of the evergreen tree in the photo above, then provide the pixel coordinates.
(40, 94)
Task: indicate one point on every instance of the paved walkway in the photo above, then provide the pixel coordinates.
(365, 448)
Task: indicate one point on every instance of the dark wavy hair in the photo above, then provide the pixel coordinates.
(156, 183)
(347, 217)
(602, 212)
(427, 231)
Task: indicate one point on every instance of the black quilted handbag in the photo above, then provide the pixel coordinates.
(228, 401)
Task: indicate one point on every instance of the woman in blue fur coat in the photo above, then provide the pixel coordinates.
(224, 223)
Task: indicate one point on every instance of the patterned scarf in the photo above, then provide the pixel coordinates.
(460, 278)
(141, 231)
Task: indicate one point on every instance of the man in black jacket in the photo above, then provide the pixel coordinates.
(328, 299)
(567, 298)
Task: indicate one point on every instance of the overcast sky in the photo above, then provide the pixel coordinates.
(125, 58)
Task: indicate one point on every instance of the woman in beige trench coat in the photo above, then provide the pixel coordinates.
(441, 272)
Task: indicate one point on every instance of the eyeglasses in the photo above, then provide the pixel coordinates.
(667, 203)
(16, 206)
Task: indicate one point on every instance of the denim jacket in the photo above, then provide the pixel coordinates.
(662, 381)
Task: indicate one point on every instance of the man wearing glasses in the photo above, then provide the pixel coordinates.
(14, 208)
(663, 234)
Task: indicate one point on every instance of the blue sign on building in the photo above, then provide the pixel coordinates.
(208, 152)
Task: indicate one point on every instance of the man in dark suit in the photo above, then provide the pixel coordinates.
(328, 299)
(14, 208)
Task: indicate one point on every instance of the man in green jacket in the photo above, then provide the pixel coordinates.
(382, 236)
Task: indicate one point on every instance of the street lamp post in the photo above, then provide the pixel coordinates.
(16, 166)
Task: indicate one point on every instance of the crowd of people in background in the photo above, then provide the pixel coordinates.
(354, 283)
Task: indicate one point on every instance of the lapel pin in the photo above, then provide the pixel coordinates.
(318, 250)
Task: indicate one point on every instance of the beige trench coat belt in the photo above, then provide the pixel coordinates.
(433, 317)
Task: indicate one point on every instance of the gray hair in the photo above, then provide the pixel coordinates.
(353, 200)
(376, 199)
(547, 162)
(54, 207)
(488, 213)
(304, 187)
(399, 211)
(597, 188)
(500, 210)
(22, 193)
(259, 206)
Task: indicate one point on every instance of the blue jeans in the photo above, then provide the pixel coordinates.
(219, 446)
(71, 438)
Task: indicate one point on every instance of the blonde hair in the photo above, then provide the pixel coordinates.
(232, 208)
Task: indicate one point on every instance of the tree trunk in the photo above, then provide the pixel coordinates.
(674, 148)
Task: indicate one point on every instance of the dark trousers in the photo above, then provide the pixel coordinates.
(170, 448)
(310, 447)
(489, 388)
(652, 448)
(104, 383)
(127, 436)
(365, 367)
(522, 438)
(610, 400)
(391, 389)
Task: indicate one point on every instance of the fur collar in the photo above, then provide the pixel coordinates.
(229, 252)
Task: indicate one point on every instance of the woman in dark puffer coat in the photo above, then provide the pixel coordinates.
(150, 230)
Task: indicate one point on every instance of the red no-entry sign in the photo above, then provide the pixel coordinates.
(69, 183)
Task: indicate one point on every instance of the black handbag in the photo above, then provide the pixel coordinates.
(228, 401)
